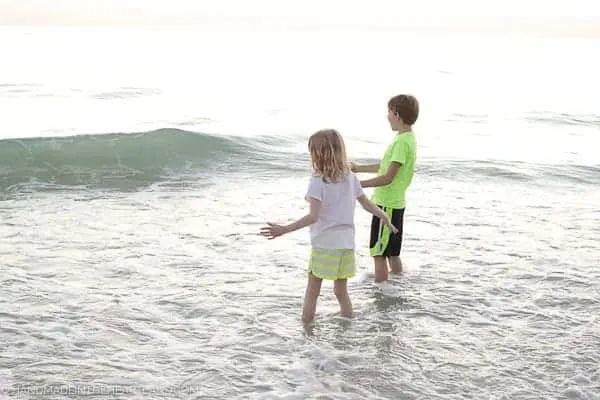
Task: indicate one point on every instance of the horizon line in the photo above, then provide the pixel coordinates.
(505, 26)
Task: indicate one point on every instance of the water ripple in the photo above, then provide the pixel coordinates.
(178, 297)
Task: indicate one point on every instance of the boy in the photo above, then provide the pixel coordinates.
(395, 173)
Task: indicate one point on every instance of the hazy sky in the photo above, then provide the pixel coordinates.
(574, 17)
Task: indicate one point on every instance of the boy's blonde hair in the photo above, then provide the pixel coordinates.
(328, 155)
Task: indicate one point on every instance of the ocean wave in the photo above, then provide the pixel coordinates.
(132, 161)
(564, 118)
(537, 117)
(126, 92)
(512, 171)
(18, 89)
(27, 90)
(469, 118)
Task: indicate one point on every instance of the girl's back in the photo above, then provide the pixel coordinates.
(334, 228)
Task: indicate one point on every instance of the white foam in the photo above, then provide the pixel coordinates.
(387, 288)
(6, 380)
(365, 276)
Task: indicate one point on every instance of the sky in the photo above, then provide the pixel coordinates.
(565, 17)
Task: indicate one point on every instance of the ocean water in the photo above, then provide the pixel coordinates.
(137, 167)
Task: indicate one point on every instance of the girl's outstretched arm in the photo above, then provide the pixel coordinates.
(272, 230)
(378, 212)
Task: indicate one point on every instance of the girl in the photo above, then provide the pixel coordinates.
(332, 194)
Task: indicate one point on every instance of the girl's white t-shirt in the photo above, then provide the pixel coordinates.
(334, 228)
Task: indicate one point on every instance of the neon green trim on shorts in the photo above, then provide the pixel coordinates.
(384, 236)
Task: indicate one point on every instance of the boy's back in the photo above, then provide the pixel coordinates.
(402, 150)
(395, 174)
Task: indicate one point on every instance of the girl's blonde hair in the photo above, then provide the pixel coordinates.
(328, 155)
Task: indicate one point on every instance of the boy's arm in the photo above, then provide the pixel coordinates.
(397, 159)
(383, 180)
(367, 168)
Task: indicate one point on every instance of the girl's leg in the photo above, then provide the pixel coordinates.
(340, 288)
(313, 288)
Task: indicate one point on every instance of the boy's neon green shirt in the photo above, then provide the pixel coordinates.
(402, 150)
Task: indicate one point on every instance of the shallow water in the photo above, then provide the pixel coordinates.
(162, 289)
(132, 265)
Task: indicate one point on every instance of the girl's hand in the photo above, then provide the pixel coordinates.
(272, 230)
(392, 227)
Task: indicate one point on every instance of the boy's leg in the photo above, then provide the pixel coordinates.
(340, 288)
(313, 288)
(395, 265)
(381, 268)
(395, 243)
